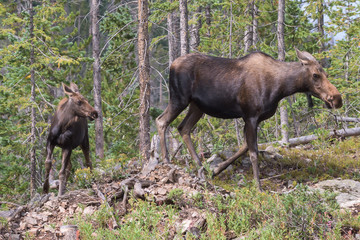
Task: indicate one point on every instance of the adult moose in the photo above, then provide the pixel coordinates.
(250, 88)
(68, 130)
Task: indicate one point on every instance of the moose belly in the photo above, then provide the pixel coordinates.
(220, 107)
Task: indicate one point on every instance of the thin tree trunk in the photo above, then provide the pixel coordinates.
(99, 133)
(144, 79)
(248, 38)
(194, 31)
(255, 25)
(208, 19)
(173, 39)
(33, 184)
(321, 25)
(184, 40)
(281, 56)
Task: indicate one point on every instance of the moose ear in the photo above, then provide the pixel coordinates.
(304, 57)
(67, 90)
(74, 87)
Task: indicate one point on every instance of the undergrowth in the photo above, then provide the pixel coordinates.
(248, 213)
(301, 214)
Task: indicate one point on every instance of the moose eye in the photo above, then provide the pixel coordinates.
(79, 103)
(316, 76)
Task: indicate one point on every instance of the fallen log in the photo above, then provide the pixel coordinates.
(346, 119)
(306, 139)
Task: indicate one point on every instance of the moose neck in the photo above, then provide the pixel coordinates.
(66, 111)
(291, 79)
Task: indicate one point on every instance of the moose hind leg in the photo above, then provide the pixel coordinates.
(163, 121)
(48, 164)
(193, 116)
(66, 153)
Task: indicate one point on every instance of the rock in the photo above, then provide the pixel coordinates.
(61, 209)
(69, 232)
(216, 159)
(89, 210)
(23, 225)
(30, 220)
(49, 228)
(7, 214)
(184, 225)
(348, 190)
(32, 233)
(245, 162)
(14, 237)
(162, 191)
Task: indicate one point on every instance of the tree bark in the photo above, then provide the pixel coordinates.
(281, 56)
(173, 36)
(255, 25)
(321, 25)
(194, 31)
(33, 184)
(144, 79)
(184, 40)
(99, 132)
(208, 19)
(248, 38)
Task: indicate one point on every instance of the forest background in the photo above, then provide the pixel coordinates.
(61, 42)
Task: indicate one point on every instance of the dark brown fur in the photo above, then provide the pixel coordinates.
(250, 88)
(68, 130)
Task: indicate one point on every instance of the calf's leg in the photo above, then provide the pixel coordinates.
(66, 153)
(48, 163)
(85, 147)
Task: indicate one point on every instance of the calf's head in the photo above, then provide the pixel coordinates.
(78, 104)
(317, 81)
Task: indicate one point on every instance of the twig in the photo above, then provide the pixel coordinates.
(15, 204)
(103, 200)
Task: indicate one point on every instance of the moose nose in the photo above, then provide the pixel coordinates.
(94, 114)
(337, 101)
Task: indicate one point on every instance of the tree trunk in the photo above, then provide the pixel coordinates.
(321, 25)
(184, 40)
(281, 56)
(33, 184)
(248, 38)
(255, 25)
(99, 133)
(194, 30)
(173, 36)
(208, 19)
(144, 79)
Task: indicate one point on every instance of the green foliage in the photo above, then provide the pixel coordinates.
(56, 59)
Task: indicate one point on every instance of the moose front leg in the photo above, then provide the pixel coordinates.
(48, 164)
(85, 147)
(66, 153)
(250, 130)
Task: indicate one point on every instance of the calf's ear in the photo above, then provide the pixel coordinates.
(67, 90)
(74, 87)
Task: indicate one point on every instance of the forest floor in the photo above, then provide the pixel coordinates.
(170, 202)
